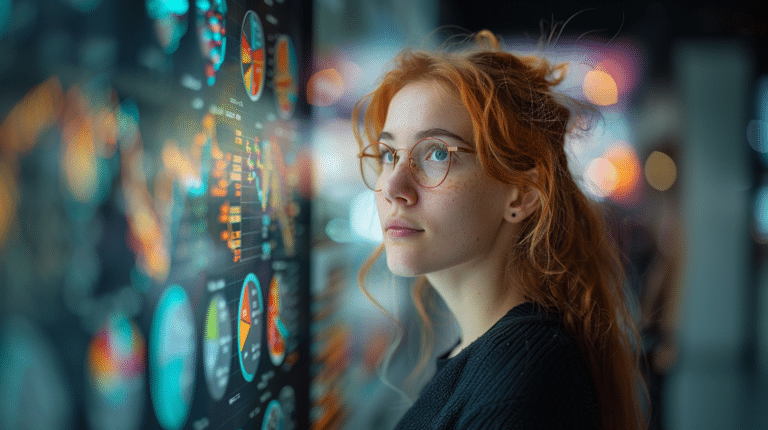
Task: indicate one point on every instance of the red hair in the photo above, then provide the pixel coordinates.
(564, 259)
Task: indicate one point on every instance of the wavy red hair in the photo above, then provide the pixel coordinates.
(565, 259)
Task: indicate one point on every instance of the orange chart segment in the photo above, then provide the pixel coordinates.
(257, 68)
(249, 327)
(245, 49)
(245, 328)
(252, 55)
(245, 318)
(245, 311)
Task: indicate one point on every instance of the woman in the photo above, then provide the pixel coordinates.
(466, 154)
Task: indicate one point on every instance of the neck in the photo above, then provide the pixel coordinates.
(477, 293)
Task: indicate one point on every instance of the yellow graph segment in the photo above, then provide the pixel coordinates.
(245, 328)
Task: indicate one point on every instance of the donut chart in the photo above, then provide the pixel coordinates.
(273, 417)
(172, 358)
(288, 403)
(252, 55)
(217, 346)
(249, 327)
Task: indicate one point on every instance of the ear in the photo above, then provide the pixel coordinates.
(522, 201)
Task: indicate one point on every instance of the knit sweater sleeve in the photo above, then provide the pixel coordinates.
(536, 381)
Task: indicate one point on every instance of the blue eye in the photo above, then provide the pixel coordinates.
(386, 155)
(439, 155)
(435, 151)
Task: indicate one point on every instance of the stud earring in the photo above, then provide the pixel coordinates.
(514, 214)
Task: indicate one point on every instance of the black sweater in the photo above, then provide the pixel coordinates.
(524, 373)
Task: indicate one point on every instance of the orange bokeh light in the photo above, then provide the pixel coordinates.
(325, 88)
(37, 111)
(7, 201)
(625, 160)
(600, 88)
(660, 171)
(602, 177)
(78, 147)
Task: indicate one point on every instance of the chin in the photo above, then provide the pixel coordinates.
(404, 267)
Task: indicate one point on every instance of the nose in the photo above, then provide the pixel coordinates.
(398, 186)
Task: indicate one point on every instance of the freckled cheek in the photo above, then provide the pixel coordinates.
(460, 221)
(466, 195)
(469, 213)
(454, 186)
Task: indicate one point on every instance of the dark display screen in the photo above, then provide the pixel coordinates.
(155, 223)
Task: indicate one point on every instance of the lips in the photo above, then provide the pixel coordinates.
(398, 229)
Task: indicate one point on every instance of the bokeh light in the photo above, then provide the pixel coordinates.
(334, 154)
(185, 167)
(79, 158)
(7, 201)
(600, 88)
(337, 230)
(211, 32)
(627, 165)
(660, 171)
(757, 129)
(351, 73)
(601, 177)
(757, 135)
(170, 18)
(623, 61)
(325, 87)
(761, 215)
(363, 217)
(37, 111)
(106, 132)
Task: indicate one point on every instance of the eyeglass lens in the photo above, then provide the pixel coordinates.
(429, 162)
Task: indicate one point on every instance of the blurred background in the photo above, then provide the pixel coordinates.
(176, 175)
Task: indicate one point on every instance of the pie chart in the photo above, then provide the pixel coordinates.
(286, 76)
(252, 55)
(115, 368)
(249, 327)
(217, 346)
(172, 358)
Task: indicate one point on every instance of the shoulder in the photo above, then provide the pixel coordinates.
(531, 357)
(527, 332)
(532, 373)
(531, 347)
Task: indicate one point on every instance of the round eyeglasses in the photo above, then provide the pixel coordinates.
(428, 161)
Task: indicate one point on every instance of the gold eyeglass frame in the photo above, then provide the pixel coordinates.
(393, 151)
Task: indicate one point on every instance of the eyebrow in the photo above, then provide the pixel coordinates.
(432, 132)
